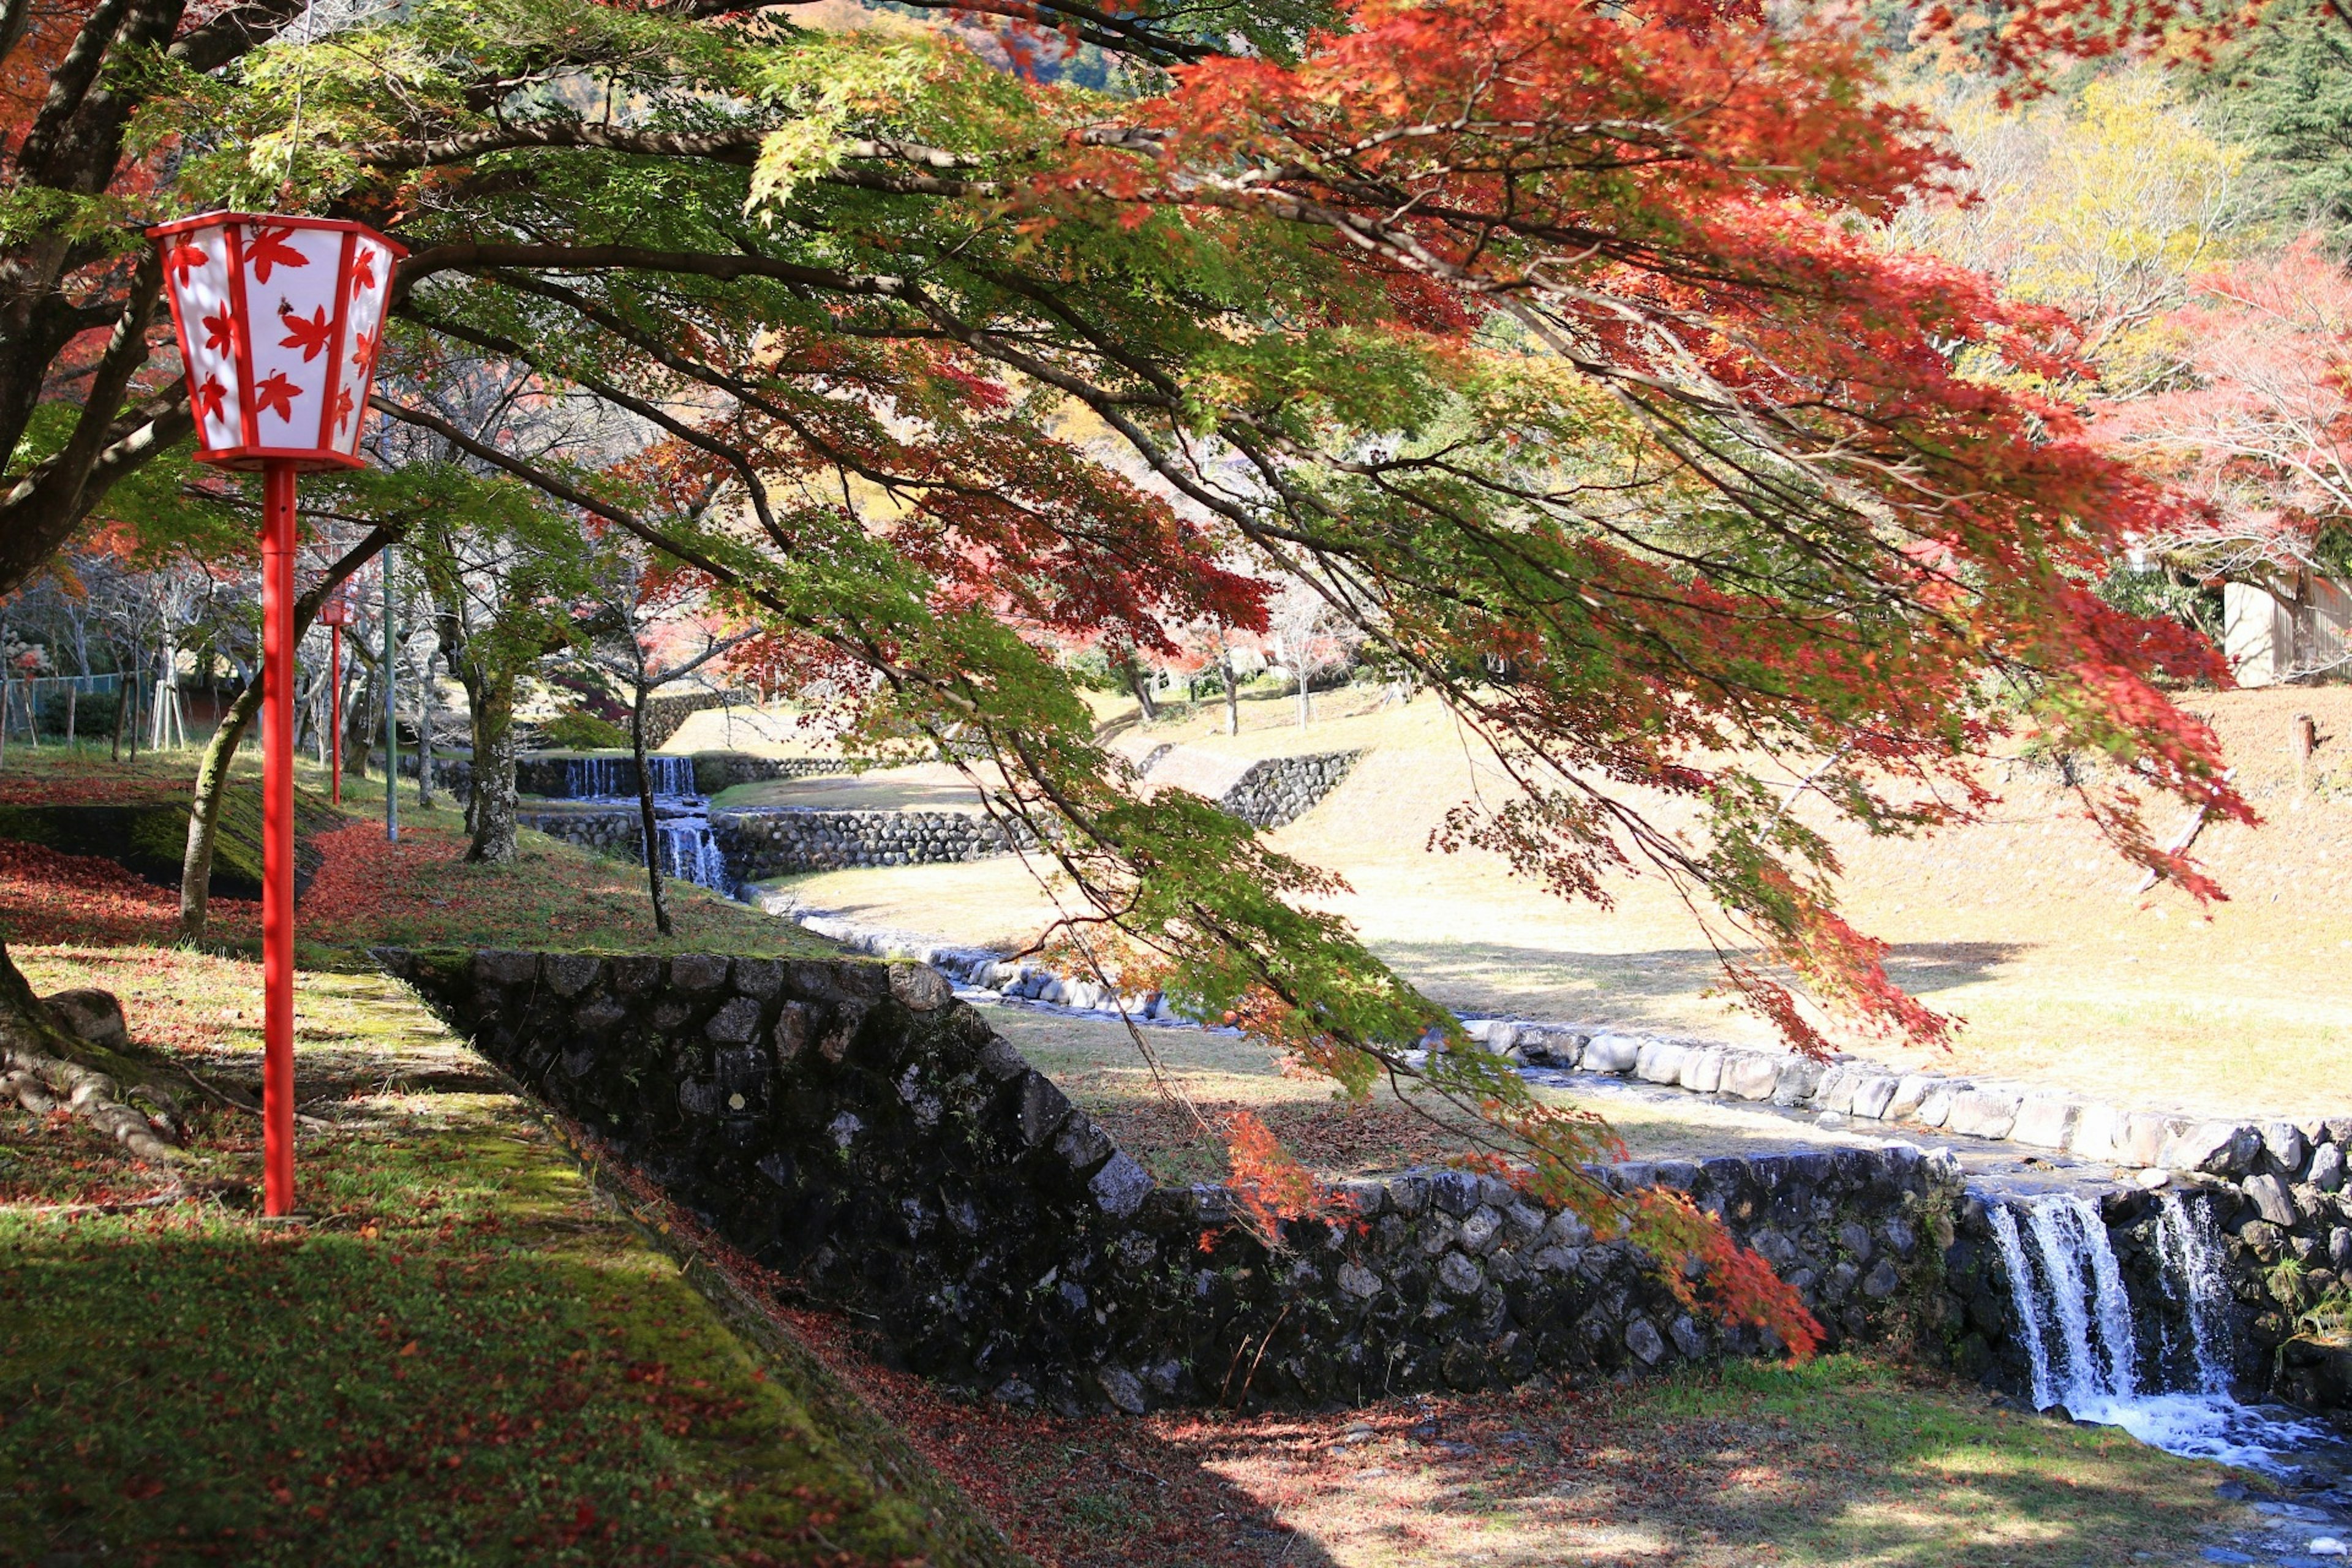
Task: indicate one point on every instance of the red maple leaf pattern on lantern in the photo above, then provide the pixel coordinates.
(363, 349)
(310, 336)
(362, 272)
(209, 399)
(342, 407)
(276, 394)
(216, 333)
(270, 249)
(183, 260)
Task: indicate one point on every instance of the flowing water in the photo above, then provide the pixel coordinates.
(682, 837)
(2082, 1342)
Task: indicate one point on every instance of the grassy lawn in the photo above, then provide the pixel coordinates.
(463, 1357)
(367, 892)
(2026, 927)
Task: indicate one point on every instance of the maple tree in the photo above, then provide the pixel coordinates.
(1524, 333)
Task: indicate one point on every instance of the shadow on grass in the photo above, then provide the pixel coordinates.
(1845, 1462)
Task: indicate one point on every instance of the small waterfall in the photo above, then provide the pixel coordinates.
(690, 854)
(683, 843)
(2081, 1338)
(2192, 1277)
(2071, 1307)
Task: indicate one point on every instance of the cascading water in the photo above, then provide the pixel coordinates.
(683, 841)
(2082, 1344)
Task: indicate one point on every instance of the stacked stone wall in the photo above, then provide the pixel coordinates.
(1280, 790)
(854, 1126)
(618, 833)
(779, 842)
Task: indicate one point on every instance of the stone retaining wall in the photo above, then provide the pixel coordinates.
(1280, 790)
(617, 832)
(852, 1126)
(785, 839)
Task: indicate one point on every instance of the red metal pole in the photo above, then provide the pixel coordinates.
(335, 682)
(278, 838)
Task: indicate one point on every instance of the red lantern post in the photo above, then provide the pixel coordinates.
(335, 615)
(278, 321)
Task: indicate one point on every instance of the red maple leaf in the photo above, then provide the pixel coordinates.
(362, 272)
(342, 407)
(216, 333)
(184, 260)
(209, 399)
(363, 350)
(277, 393)
(310, 336)
(270, 249)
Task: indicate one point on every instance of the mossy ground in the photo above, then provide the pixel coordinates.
(462, 1356)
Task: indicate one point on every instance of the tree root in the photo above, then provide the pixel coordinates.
(90, 1094)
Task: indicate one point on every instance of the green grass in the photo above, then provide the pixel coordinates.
(463, 1357)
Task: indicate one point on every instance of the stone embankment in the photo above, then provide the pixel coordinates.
(2280, 1191)
(856, 1127)
(1270, 792)
(782, 840)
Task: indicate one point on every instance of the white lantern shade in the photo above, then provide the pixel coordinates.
(280, 319)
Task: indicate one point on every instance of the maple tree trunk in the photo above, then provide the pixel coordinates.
(1132, 669)
(645, 812)
(494, 770)
(204, 816)
(1233, 698)
(220, 752)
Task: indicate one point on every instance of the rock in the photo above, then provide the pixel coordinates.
(1359, 1282)
(1910, 1090)
(2269, 1196)
(698, 972)
(1750, 1075)
(1882, 1281)
(1481, 1231)
(1122, 1388)
(2097, 1134)
(1936, 1106)
(2045, 1121)
(500, 966)
(2210, 1148)
(1120, 1186)
(88, 1014)
(1687, 1337)
(1459, 1275)
(1856, 1239)
(736, 1023)
(921, 987)
(2153, 1178)
(2141, 1142)
(1874, 1093)
(1703, 1070)
(2283, 1142)
(1642, 1338)
(1661, 1061)
(2328, 1167)
(1983, 1113)
(1611, 1053)
(569, 974)
(1800, 1077)
(2339, 1249)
